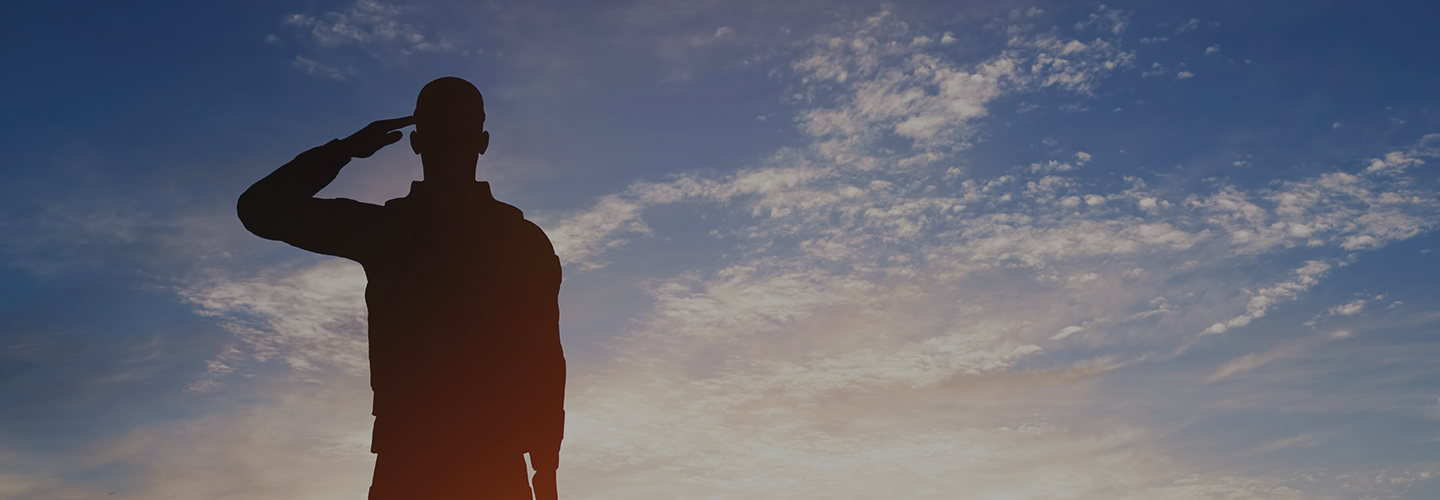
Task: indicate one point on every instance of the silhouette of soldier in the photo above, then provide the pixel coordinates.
(465, 353)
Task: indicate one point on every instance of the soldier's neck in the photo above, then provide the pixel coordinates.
(449, 169)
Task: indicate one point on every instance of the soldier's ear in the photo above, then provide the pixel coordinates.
(484, 142)
(415, 141)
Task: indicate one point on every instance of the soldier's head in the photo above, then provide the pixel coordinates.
(449, 121)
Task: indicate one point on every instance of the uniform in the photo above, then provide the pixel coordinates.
(465, 354)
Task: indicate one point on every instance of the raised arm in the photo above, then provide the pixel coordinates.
(283, 207)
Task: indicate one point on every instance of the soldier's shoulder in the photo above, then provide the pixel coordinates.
(534, 230)
(517, 217)
(508, 210)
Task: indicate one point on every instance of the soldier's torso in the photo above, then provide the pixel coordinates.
(459, 291)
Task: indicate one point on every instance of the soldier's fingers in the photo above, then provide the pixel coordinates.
(393, 123)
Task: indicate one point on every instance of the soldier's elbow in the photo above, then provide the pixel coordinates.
(256, 217)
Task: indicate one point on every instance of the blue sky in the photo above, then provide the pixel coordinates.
(848, 249)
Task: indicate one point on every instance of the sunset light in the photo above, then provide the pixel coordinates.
(810, 249)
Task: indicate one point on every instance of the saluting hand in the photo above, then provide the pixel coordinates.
(376, 135)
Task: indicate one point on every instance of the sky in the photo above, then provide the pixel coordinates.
(812, 249)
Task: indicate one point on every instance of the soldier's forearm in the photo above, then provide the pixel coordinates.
(305, 175)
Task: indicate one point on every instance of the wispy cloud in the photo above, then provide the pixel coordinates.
(317, 68)
(366, 23)
(313, 319)
(1305, 277)
(91, 226)
(1294, 442)
(311, 443)
(1248, 362)
(328, 41)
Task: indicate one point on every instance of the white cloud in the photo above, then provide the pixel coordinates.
(91, 226)
(311, 444)
(317, 68)
(1261, 301)
(586, 236)
(1349, 309)
(1246, 363)
(1155, 69)
(379, 29)
(1066, 332)
(1395, 161)
(366, 22)
(1113, 21)
(1357, 211)
(1052, 167)
(894, 88)
(312, 319)
(1188, 26)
